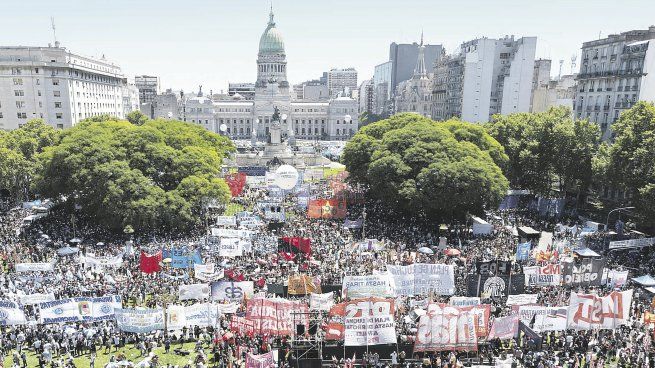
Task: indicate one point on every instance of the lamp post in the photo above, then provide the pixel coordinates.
(616, 209)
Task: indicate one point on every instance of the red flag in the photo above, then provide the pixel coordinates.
(288, 256)
(150, 263)
(261, 282)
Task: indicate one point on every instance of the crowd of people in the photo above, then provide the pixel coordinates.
(334, 254)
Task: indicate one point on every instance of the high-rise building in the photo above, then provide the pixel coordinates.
(557, 92)
(341, 82)
(366, 96)
(148, 87)
(485, 77)
(382, 102)
(415, 95)
(615, 73)
(58, 86)
(403, 60)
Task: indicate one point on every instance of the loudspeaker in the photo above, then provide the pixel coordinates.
(312, 329)
(300, 329)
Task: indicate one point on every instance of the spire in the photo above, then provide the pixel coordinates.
(271, 21)
(419, 71)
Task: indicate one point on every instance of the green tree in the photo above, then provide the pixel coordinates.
(629, 163)
(152, 176)
(137, 118)
(440, 170)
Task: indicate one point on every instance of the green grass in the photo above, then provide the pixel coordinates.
(130, 352)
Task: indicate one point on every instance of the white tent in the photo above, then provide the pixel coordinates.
(481, 227)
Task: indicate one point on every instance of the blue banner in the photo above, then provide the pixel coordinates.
(523, 251)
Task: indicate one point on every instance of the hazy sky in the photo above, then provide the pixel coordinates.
(211, 42)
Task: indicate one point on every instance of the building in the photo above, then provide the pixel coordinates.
(131, 100)
(341, 82)
(148, 87)
(58, 86)
(403, 61)
(558, 92)
(305, 118)
(485, 77)
(615, 73)
(366, 96)
(382, 93)
(313, 90)
(245, 90)
(415, 95)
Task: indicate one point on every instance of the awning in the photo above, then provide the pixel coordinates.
(586, 252)
(645, 280)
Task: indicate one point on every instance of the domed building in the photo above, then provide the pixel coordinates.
(252, 120)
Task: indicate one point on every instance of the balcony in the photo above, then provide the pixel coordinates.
(597, 108)
(606, 107)
(634, 88)
(608, 89)
(619, 88)
(617, 105)
(589, 108)
(591, 89)
(599, 89)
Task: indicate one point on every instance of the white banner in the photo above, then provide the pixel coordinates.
(232, 233)
(226, 221)
(194, 291)
(548, 275)
(589, 311)
(617, 278)
(90, 261)
(79, 309)
(322, 302)
(229, 247)
(632, 243)
(447, 328)
(34, 267)
(232, 291)
(365, 286)
(140, 320)
(207, 272)
(202, 315)
(464, 301)
(369, 324)
(521, 299)
(32, 299)
(553, 320)
(423, 279)
(11, 314)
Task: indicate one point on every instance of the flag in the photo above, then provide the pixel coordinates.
(150, 263)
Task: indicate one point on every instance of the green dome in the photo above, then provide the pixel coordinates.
(271, 41)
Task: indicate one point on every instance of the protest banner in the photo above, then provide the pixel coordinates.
(11, 314)
(367, 286)
(495, 286)
(36, 298)
(194, 291)
(504, 328)
(530, 337)
(79, 309)
(208, 272)
(226, 221)
(555, 319)
(303, 285)
(201, 314)
(91, 261)
(548, 275)
(589, 272)
(232, 233)
(35, 267)
(277, 317)
(616, 278)
(523, 251)
(521, 299)
(494, 267)
(649, 317)
(150, 263)
(242, 326)
(590, 311)
(446, 328)
(260, 361)
(332, 208)
(229, 247)
(359, 309)
(322, 302)
(482, 314)
(369, 322)
(140, 320)
(232, 291)
(632, 243)
(463, 301)
(423, 279)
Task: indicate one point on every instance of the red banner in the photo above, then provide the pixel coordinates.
(302, 245)
(277, 317)
(353, 309)
(236, 182)
(242, 326)
(446, 328)
(150, 263)
(327, 208)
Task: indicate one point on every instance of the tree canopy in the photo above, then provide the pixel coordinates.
(156, 175)
(547, 147)
(439, 170)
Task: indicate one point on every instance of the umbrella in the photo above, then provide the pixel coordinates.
(452, 252)
(425, 250)
(75, 240)
(67, 251)
(100, 244)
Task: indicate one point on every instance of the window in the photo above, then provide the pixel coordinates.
(59, 115)
(1, 115)
(22, 115)
(18, 81)
(57, 105)
(55, 82)
(56, 93)
(19, 93)
(60, 126)
(20, 104)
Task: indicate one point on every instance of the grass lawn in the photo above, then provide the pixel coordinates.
(130, 352)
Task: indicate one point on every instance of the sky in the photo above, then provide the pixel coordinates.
(213, 42)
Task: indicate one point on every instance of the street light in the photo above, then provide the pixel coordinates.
(616, 209)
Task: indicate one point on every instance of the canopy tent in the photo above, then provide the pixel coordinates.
(645, 280)
(528, 233)
(480, 226)
(585, 252)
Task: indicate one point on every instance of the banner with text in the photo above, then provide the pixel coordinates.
(423, 279)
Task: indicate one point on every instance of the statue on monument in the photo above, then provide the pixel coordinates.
(275, 134)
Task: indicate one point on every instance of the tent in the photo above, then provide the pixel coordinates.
(528, 233)
(585, 252)
(645, 280)
(480, 226)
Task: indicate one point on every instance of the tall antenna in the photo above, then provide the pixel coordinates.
(54, 31)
